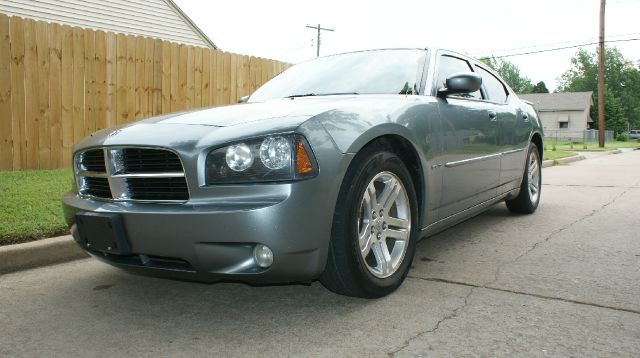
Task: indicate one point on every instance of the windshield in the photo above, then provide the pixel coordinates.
(366, 72)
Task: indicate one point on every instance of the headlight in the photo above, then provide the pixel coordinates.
(239, 157)
(275, 152)
(261, 160)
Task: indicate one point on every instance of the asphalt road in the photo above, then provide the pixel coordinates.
(562, 282)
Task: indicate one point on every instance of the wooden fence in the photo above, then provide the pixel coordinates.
(60, 83)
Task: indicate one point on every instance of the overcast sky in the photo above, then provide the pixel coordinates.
(276, 29)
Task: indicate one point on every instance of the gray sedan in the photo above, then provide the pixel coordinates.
(333, 170)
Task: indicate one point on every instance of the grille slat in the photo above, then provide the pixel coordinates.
(98, 187)
(93, 160)
(141, 160)
(158, 188)
(156, 184)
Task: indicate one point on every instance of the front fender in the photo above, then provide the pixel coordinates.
(417, 124)
(415, 120)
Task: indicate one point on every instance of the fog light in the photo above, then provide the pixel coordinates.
(263, 256)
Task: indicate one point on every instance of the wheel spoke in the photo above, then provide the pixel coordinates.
(397, 222)
(389, 194)
(364, 240)
(370, 196)
(383, 258)
(397, 234)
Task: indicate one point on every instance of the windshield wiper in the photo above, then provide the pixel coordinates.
(320, 94)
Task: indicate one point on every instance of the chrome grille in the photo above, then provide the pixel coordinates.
(131, 174)
(93, 160)
(158, 188)
(141, 160)
(98, 187)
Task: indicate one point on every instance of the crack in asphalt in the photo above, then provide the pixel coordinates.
(635, 186)
(556, 232)
(452, 315)
(553, 298)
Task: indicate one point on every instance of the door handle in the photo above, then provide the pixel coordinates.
(493, 116)
(525, 117)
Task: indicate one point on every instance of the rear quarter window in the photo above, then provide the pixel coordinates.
(492, 85)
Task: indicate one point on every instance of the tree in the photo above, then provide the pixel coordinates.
(540, 87)
(510, 73)
(622, 87)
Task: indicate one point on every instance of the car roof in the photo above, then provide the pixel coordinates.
(426, 48)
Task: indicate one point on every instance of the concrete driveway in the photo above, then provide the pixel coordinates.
(562, 282)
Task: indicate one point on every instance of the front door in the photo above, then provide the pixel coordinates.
(470, 161)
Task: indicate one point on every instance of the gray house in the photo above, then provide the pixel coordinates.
(563, 115)
(160, 19)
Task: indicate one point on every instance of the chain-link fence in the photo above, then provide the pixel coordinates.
(589, 135)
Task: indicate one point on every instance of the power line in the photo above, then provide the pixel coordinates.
(563, 48)
(622, 2)
(479, 53)
(292, 50)
(318, 42)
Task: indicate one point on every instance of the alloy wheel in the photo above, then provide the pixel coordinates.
(384, 224)
(534, 176)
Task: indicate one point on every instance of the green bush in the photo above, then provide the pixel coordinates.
(622, 137)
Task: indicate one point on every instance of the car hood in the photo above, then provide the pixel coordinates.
(253, 112)
(213, 126)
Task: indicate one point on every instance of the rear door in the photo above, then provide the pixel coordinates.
(513, 129)
(471, 157)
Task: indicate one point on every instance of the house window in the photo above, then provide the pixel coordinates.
(563, 124)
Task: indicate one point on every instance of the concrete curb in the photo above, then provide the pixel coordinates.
(561, 161)
(575, 158)
(39, 253)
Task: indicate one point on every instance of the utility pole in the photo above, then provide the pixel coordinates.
(318, 42)
(601, 125)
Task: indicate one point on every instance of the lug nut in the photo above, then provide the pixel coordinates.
(381, 213)
(384, 226)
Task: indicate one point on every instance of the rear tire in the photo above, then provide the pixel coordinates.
(530, 189)
(375, 227)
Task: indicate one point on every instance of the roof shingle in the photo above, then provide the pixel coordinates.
(569, 101)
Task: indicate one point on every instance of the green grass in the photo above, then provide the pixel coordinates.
(557, 154)
(30, 204)
(590, 146)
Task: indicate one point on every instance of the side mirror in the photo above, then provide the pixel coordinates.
(243, 99)
(460, 83)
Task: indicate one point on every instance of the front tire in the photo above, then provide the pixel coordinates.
(374, 229)
(530, 189)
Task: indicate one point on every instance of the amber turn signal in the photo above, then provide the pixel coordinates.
(303, 163)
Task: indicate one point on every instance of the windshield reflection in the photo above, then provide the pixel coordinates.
(366, 72)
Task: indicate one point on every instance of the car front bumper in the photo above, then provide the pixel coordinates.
(213, 239)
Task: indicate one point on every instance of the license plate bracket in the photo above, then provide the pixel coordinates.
(103, 232)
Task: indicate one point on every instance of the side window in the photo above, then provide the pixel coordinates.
(449, 65)
(495, 89)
